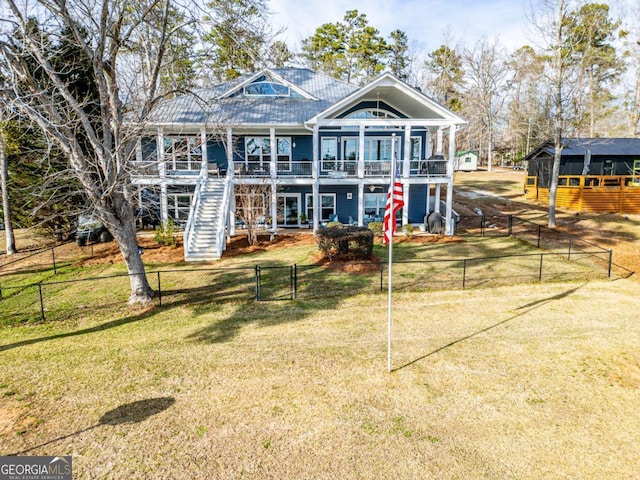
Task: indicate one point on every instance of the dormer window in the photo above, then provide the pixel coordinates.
(266, 89)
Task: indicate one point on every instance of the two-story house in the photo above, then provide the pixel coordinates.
(324, 146)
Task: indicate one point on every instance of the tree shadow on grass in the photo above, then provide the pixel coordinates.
(324, 289)
(134, 412)
(521, 311)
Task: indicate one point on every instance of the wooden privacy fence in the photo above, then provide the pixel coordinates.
(591, 193)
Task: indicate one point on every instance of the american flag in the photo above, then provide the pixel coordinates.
(389, 221)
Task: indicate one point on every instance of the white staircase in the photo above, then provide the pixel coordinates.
(206, 241)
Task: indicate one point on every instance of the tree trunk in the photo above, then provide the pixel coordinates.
(124, 233)
(6, 208)
(559, 113)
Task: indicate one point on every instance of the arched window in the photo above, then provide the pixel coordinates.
(371, 114)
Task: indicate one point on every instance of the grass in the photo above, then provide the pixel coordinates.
(520, 381)
(525, 381)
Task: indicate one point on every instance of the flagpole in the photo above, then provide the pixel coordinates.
(391, 228)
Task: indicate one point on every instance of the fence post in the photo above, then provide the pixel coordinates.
(540, 271)
(295, 280)
(610, 263)
(257, 270)
(53, 259)
(482, 226)
(41, 301)
(510, 225)
(539, 230)
(159, 289)
(570, 242)
(464, 273)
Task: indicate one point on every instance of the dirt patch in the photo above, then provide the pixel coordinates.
(239, 245)
(14, 419)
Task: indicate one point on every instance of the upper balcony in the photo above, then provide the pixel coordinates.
(302, 169)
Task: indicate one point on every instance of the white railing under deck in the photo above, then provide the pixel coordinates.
(189, 229)
(221, 243)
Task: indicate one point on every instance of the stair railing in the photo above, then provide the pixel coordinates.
(221, 244)
(189, 229)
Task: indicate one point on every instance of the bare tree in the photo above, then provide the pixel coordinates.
(486, 70)
(551, 18)
(91, 129)
(10, 240)
(252, 205)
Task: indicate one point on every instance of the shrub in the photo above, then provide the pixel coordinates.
(407, 230)
(345, 242)
(165, 234)
(334, 225)
(376, 228)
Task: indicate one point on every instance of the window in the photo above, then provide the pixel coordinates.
(379, 148)
(607, 167)
(266, 88)
(370, 114)
(416, 148)
(251, 206)
(374, 204)
(182, 152)
(258, 152)
(179, 203)
(328, 206)
(328, 152)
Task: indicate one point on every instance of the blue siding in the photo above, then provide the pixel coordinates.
(304, 147)
(417, 203)
(149, 149)
(216, 153)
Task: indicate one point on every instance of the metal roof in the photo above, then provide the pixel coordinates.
(206, 105)
(596, 147)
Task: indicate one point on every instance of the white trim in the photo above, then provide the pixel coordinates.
(388, 80)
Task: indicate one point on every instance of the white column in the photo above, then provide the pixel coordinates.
(361, 132)
(452, 155)
(203, 147)
(139, 150)
(229, 149)
(428, 209)
(232, 211)
(274, 153)
(162, 168)
(406, 162)
(361, 204)
(405, 209)
(316, 155)
(274, 206)
(437, 202)
(316, 206)
(164, 207)
(439, 142)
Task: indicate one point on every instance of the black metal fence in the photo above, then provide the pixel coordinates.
(571, 259)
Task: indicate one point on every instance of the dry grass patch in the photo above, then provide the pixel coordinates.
(536, 381)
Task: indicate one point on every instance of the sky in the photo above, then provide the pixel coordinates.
(424, 21)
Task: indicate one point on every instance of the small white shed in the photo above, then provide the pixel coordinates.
(466, 161)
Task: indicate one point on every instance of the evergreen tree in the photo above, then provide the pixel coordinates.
(591, 32)
(351, 50)
(237, 37)
(399, 58)
(447, 75)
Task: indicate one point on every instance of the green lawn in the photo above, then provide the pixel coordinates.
(524, 381)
